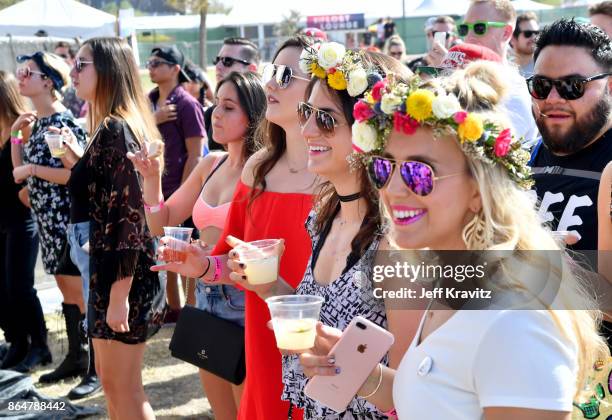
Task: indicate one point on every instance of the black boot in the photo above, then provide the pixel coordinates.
(15, 354)
(90, 384)
(36, 356)
(75, 363)
(4, 347)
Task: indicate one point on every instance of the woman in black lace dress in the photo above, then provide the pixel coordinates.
(126, 299)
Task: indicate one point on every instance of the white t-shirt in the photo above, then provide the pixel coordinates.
(487, 358)
(517, 104)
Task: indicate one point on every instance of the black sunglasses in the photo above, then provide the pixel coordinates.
(153, 64)
(528, 33)
(569, 88)
(281, 73)
(417, 176)
(229, 61)
(325, 121)
(79, 64)
(479, 28)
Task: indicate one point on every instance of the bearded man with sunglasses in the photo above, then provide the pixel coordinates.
(490, 23)
(523, 41)
(571, 104)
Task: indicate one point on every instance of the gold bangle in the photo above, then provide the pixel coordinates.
(380, 378)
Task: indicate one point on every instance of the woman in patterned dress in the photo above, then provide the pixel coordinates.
(126, 299)
(41, 79)
(345, 229)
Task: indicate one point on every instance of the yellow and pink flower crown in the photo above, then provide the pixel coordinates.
(342, 69)
(392, 104)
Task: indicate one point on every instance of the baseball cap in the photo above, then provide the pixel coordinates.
(459, 56)
(315, 33)
(175, 56)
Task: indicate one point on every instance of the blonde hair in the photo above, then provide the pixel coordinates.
(119, 93)
(12, 104)
(511, 222)
(504, 9)
(58, 64)
(394, 40)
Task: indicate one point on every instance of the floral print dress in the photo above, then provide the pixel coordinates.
(50, 201)
(121, 244)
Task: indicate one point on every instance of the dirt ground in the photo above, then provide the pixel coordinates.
(173, 387)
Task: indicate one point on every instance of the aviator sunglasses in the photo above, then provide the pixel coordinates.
(418, 176)
(326, 123)
(569, 88)
(282, 75)
(479, 28)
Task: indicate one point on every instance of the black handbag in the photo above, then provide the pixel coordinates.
(210, 343)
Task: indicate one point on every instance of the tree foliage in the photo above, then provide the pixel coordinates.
(7, 3)
(289, 25)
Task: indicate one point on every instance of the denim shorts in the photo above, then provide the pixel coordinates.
(223, 301)
(78, 235)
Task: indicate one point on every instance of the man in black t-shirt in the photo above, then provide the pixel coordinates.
(571, 104)
(236, 54)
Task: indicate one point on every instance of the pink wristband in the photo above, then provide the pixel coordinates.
(217, 274)
(391, 413)
(154, 209)
(16, 140)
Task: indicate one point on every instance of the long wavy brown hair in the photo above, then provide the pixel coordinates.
(119, 93)
(327, 200)
(271, 136)
(12, 104)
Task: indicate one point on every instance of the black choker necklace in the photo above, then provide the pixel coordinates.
(347, 198)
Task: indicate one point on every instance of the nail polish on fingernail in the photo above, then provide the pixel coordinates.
(241, 265)
(243, 277)
(337, 370)
(331, 360)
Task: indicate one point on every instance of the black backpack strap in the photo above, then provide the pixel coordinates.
(558, 170)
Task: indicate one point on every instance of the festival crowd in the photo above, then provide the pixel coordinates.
(324, 161)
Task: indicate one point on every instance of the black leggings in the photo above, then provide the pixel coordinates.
(21, 314)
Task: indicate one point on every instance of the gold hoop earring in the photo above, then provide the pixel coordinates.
(474, 233)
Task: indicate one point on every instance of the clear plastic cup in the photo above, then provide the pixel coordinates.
(178, 246)
(294, 318)
(56, 144)
(261, 259)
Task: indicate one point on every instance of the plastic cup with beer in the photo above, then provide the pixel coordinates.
(177, 246)
(261, 259)
(294, 319)
(56, 144)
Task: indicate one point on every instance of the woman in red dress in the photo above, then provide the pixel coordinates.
(272, 200)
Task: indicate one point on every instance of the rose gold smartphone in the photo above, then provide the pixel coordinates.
(362, 345)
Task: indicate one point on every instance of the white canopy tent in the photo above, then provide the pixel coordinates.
(529, 5)
(60, 18)
(272, 11)
(439, 8)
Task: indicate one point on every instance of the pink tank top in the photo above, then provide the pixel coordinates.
(205, 215)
